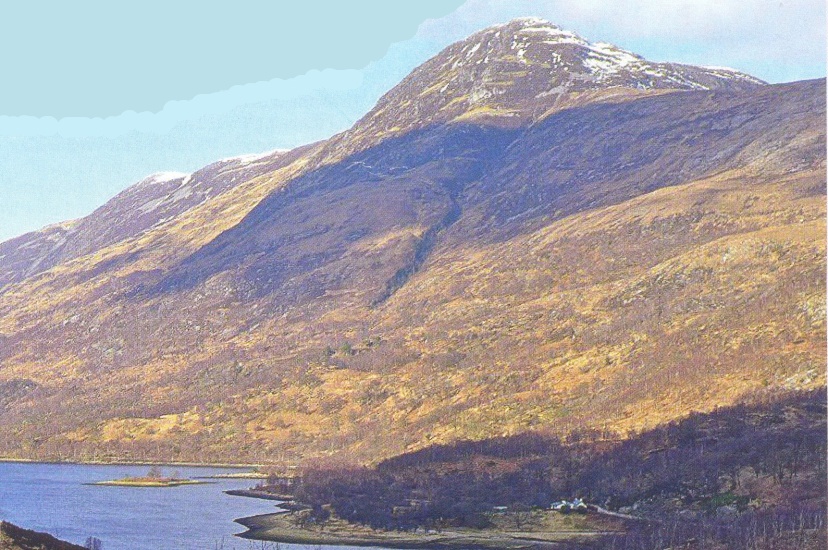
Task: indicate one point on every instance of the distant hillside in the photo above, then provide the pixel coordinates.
(531, 231)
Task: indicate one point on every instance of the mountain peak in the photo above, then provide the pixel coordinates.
(529, 25)
(533, 40)
(520, 69)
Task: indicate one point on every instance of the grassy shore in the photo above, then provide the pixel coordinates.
(239, 475)
(119, 462)
(543, 530)
(145, 482)
(253, 493)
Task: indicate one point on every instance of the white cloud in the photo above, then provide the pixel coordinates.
(695, 18)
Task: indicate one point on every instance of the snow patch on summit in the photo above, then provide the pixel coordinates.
(549, 33)
(616, 54)
(606, 59)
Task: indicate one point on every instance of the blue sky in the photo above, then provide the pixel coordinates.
(98, 96)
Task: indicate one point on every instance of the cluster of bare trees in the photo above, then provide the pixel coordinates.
(703, 462)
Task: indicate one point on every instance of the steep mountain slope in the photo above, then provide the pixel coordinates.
(610, 247)
(152, 201)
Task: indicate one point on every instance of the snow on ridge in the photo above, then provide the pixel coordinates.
(561, 39)
(531, 19)
(252, 157)
(604, 59)
(547, 29)
(530, 26)
(183, 191)
(716, 68)
(551, 34)
(622, 56)
(167, 176)
(728, 72)
(163, 177)
(472, 50)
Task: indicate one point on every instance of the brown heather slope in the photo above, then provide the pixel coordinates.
(17, 538)
(613, 257)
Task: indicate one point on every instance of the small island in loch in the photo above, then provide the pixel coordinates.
(154, 478)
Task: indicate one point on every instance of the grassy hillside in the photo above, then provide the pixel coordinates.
(612, 266)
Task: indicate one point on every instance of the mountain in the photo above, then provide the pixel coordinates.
(529, 232)
(505, 74)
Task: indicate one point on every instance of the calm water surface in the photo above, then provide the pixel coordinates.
(54, 498)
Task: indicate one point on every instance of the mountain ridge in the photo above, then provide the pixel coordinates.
(726, 78)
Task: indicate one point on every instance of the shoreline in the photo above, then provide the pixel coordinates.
(238, 466)
(278, 527)
(153, 484)
(253, 493)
